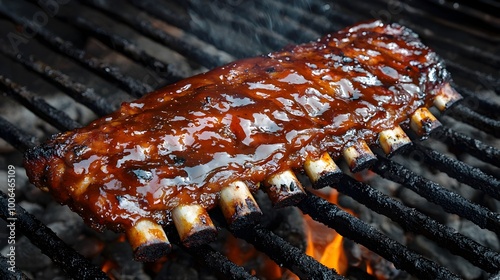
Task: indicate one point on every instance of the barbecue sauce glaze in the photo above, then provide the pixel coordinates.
(242, 121)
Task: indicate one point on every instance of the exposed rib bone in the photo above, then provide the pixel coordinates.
(392, 140)
(148, 240)
(193, 225)
(446, 97)
(284, 189)
(323, 171)
(359, 156)
(423, 122)
(238, 205)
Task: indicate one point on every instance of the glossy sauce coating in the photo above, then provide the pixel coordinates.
(243, 121)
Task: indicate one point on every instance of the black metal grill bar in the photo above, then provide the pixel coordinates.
(470, 11)
(198, 51)
(420, 16)
(471, 51)
(15, 136)
(240, 46)
(107, 72)
(413, 12)
(77, 91)
(467, 115)
(357, 230)
(489, 5)
(318, 23)
(287, 25)
(479, 76)
(210, 258)
(324, 8)
(454, 26)
(5, 273)
(38, 106)
(412, 220)
(223, 15)
(219, 264)
(467, 144)
(478, 103)
(462, 172)
(129, 49)
(74, 264)
(433, 192)
(285, 254)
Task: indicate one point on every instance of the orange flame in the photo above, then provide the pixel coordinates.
(325, 244)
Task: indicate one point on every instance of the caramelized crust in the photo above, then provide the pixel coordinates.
(243, 121)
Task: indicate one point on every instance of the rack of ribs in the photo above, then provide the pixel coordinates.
(216, 138)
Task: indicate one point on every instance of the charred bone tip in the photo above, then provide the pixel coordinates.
(193, 225)
(238, 205)
(284, 189)
(359, 156)
(393, 140)
(423, 122)
(322, 171)
(148, 240)
(446, 97)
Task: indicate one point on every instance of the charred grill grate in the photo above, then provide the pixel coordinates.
(201, 37)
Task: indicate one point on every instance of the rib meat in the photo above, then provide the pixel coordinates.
(243, 121)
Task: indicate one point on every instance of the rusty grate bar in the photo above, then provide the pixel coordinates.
(357, 230)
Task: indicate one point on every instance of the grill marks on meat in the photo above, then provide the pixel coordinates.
(243, 121)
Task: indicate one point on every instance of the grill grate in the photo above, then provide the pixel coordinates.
(200, 36)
